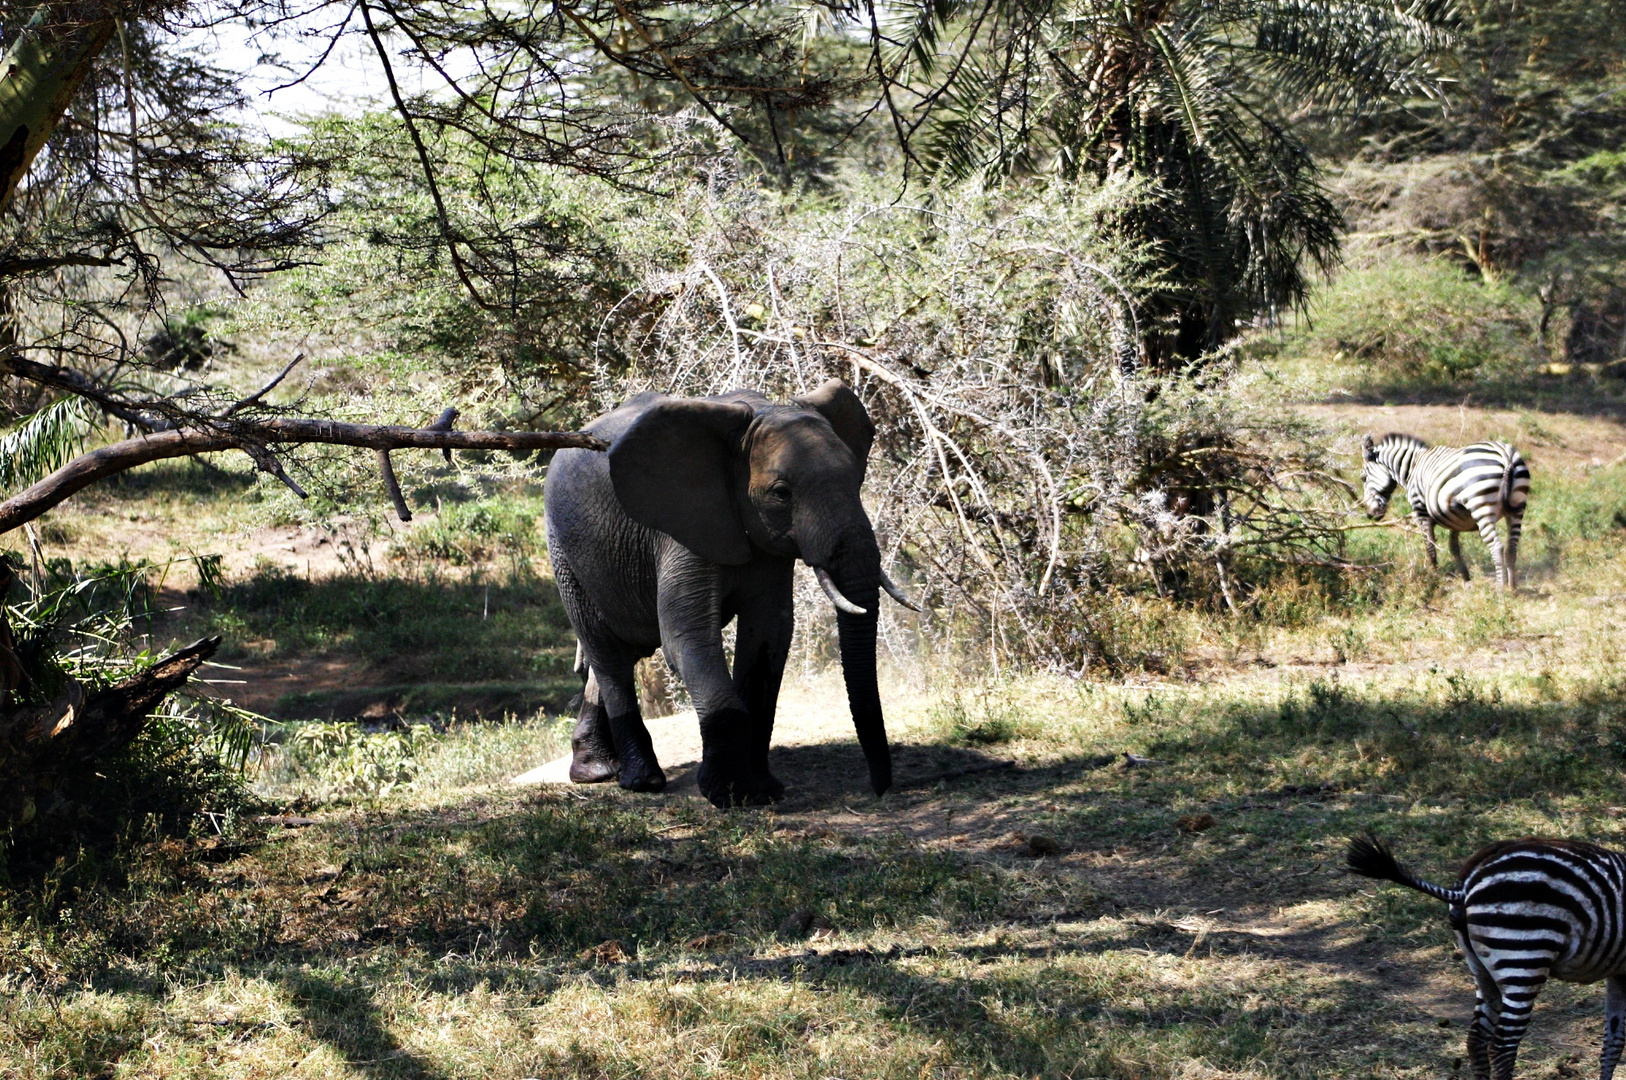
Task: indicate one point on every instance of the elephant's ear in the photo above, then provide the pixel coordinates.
(839, 405)
(673, 469)
(1369, 449)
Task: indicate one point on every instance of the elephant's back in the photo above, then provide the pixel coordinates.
(597, 550)
(578, 481)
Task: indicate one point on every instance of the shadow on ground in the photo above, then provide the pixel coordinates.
(1580, 394)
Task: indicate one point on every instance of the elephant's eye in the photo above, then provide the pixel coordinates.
(779, 491)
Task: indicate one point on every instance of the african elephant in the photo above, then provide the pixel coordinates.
(695, 516)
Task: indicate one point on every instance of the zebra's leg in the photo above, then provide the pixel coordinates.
(1513, 1018)
(1614, 1026)
(1515, 524)
(1425, 524)
(1456, 553)
(1493, 540)
(1487, 1003)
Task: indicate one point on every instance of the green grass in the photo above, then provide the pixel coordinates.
(431, 629)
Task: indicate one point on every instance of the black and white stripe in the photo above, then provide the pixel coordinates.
(1463, 488)
(1525, 911)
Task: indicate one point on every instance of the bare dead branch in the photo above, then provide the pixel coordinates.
(259, 394)
(99, 464)
(393, 486)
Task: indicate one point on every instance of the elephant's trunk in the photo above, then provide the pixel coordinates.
(858, 576)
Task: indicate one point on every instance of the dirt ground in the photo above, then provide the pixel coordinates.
(981, 805)
(1564, 442)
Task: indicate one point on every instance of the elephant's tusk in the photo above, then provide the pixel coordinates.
(841, 602)
(897, 594)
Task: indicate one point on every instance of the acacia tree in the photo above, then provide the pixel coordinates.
(1518, 175)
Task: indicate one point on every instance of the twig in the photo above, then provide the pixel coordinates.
(264, 390)
(267, 462)
(442, 217)
(393, 486)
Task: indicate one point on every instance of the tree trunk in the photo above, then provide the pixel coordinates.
(39, 75)
(46, 750)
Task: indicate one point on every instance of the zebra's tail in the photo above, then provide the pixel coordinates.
(1508, 469)
(1370, 857)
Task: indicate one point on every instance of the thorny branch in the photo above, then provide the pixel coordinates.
(1022, 474)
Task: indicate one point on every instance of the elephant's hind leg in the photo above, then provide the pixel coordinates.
(592, 748)
(619, 694)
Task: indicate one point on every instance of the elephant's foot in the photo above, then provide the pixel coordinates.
(593, 759)
(651, 779)
(640, 771)
(591, 767)
(726, 788)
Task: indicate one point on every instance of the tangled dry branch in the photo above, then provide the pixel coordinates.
(1026, 476)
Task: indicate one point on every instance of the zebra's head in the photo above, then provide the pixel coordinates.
(1376, 479)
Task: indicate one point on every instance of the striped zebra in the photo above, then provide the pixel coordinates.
(1462, 488)
(1525, 911)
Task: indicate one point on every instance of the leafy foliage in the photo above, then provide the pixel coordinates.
(42, 442)
(1194, 98)
(1517, 173)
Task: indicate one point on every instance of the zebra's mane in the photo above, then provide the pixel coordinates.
(1397, 437)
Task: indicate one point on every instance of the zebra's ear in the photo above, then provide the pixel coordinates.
(1369, 449)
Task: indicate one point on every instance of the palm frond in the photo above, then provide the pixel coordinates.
(42, 443)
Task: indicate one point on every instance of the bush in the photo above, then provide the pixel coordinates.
(469, 534)
(1405, 321)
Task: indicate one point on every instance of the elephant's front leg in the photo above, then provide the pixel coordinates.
(761, 646)
(692, 639)
(726, 776)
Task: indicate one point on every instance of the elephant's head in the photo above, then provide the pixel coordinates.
(731, 476)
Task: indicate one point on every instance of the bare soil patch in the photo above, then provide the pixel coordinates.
(1563, 442)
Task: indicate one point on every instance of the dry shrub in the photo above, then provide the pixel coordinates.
(1028, 481)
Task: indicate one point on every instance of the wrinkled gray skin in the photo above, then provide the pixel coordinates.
(695, 516)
